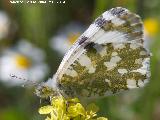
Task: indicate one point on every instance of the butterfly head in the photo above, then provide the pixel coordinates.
(46, 89)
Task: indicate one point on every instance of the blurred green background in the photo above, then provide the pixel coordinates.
(43, 24)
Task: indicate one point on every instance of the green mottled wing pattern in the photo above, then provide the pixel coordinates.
(115, 25)
(106, 69)
(107, 58)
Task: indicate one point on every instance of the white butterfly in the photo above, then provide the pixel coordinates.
(108, 57)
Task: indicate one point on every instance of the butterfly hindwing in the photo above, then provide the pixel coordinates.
(107, 58)
(104, 69)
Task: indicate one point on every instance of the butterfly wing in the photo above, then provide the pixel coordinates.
(116, 25)
(119, 27)
(104, 69)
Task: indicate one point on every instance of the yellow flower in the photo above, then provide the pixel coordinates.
(72, 109)
(72, 37)
(76, 110)
(151, 25)
(102, 118)
(22, 61)
(46, 109)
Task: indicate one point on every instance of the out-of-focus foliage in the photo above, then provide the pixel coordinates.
(38, 24)
(151, 26)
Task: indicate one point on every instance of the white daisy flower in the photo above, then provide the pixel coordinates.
(66, 36)
(4, 25)
(25, 61)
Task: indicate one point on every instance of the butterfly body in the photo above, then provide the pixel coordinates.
(108, 57)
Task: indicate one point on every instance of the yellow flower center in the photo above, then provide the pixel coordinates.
(22, 62)
(151, 26)
(73, 37)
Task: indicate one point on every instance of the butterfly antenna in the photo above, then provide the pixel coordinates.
(27, 83)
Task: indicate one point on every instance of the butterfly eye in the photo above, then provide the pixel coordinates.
(59, 85)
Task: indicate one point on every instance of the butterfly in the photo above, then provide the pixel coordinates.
(109, 57)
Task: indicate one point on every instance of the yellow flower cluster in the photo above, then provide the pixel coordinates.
(61, 109)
